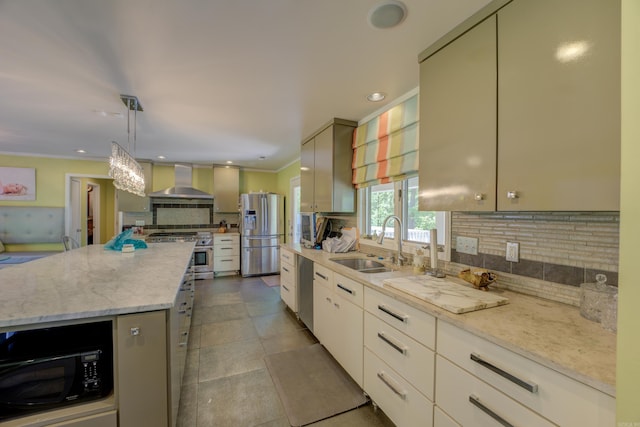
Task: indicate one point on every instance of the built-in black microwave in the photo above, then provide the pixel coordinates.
(47, 368)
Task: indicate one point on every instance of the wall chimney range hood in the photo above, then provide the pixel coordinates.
(182, 188)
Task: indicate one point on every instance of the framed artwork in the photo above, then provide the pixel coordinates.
(17, 183)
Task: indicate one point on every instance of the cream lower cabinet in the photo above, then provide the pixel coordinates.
(109, 419)
(226, 253)
(399, 359)
(337, 319)
(479, 383)
(288, 279)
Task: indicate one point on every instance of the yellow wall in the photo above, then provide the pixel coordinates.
(285, 175)
(628, 352)
(252, 181)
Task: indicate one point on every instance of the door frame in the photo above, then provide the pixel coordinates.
(95, 200)
(68, 203)
(292, 217)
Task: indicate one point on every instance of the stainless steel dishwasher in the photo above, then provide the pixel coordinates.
(305, 291)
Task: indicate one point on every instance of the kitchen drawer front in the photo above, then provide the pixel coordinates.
(440, 419)
(456, 388)
(413, 322)
(108, 419)
(287, 257)
(226, 263)
(289, 294)
(349, 289)
(412, 360)
(287, 274)
(226, 250)
(322, 276)
(399, 400)
(558, 397)
(226, 239)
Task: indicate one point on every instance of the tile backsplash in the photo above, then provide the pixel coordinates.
(558, 250)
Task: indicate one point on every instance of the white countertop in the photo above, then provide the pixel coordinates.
(550, 333)
(92, 282)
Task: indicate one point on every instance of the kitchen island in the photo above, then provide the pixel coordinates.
(147, 295)
(548, 343)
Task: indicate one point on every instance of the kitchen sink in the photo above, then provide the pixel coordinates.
(362, 265)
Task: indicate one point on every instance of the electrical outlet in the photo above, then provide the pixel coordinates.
(513, 251)
(467, 245)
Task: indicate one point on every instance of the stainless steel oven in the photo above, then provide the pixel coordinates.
(202, 254)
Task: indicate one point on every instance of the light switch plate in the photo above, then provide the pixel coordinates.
(513, 251)
(467, 245)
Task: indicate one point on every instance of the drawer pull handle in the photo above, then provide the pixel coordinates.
(285, 269)
(400, 349)
(531, 387)
(322, 276)
(344, 288)
(400, 317)
(285, 288)
(474, 400)
(226, 249)
(394, 388)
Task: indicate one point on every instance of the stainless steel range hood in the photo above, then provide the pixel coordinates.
(182, 188)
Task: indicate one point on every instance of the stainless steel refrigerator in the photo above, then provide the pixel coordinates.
(261, 233)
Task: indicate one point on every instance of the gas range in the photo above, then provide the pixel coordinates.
(202, 238)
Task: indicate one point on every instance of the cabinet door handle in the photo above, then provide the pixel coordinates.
(285, 269)
(531, 387)
(322, 276)
(475, 401)
(478, 197)
(401, 317)
(398, 348)
(344, 288)
(394, 388)
(285, 288)
(512, 195)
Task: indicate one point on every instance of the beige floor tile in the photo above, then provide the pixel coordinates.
(187, 414)
(226, 332)
(289, 341)
(192, 367)
(215, 299)
(271, 325)
(248, 399)
(194, 336)
(230, 359)
(364, 416)
(220, 313)
(263, 307)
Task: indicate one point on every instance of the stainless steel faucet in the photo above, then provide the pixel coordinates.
(399, 258)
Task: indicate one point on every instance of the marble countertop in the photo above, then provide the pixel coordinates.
(92, 282)
(548, 332)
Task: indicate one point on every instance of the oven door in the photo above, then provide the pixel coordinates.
(203, 259)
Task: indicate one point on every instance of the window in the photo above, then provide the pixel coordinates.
(400, 198)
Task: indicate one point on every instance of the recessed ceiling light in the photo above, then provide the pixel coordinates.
(80, 150)
(161, 157)
(376, 96)
(229, 162)
(387, 14)
(261, 158)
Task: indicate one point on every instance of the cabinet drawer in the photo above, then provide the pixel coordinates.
(226, 263)
(440, 419)
(289, 294)
(349, 289)
(404, 405)
(287, 274)
(108, 419)
(226, 239)
(557, 397)
(287, 257)
(410, 359)
(456, 389)
(413, 322)
(226, 250)
(322, 275)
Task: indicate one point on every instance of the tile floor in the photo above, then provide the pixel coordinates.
(236, 322)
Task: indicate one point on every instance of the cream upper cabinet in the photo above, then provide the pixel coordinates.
(226, 189)
(458, 123)
(559, 105)
(325, 163)
(551, 71)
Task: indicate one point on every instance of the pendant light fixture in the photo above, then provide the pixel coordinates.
(126, 172)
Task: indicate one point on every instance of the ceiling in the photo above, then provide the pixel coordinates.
(219, 80)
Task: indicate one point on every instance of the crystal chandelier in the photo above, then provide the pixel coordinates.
(126, 172)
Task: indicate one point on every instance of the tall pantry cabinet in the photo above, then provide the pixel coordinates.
(325, 169)
(548, 84)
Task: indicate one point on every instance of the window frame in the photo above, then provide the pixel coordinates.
(400, 188)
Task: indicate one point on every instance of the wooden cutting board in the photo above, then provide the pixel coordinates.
(445, 294)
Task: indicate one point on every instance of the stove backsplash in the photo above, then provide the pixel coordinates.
(174, 214)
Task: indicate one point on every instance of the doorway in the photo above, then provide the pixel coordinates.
(294, 210)
(89, 208)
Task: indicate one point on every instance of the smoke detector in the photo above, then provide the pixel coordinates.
(387, 14)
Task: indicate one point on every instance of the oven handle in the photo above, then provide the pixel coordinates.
(48, 359)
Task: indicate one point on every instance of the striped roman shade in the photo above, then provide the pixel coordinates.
(385, 148)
